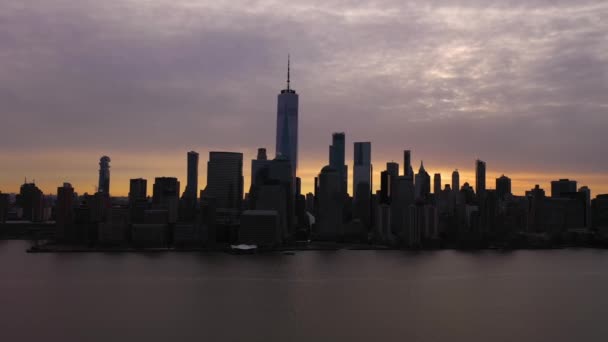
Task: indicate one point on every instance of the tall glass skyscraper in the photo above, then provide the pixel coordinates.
(363, 166)
(104, 175)
(287, 125)
(337, 158)
(192, 184)
(480, 176)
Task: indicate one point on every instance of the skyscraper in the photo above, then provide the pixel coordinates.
(455, 180)
(138, 189)
(64, 212)
(561, 186)
(437, 183)
(503, 186)
(337, 159)
(362, 173)
(423, 183)
(165, 195)
(191, 190)
(480, 176)
(329, 224)
(407, 164)
(104, 175)
(258, 164)
(225, 179)
(287, 125)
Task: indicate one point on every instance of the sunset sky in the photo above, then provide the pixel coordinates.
(522, 86)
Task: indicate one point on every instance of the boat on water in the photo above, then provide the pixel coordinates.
(243, 249)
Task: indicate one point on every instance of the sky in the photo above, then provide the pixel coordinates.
(521, 85)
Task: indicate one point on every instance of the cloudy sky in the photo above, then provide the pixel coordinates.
(521, 85)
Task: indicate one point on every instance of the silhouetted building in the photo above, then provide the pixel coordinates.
(287, 125)
(138, 199)
(503, 187)
(362, 172)
(407, 164)
(337, 158)
(561, 186)
(4, 204)
(423, 183)
(191, 191)
(402, 198)
(115, 229)
(480, 176)
(600, 213)
(437, 183)
(385, 187)
(259, 163)
(208, 220)
(64, 213)
(30, 200)
(165, 196)
(455, 181)
(587, 195)
(329, 219)
(225, 180)
(260, 227)
(104, 175)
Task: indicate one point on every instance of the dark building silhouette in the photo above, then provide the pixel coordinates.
(287, 125)
(64, 213)
(423, 183)
(562, 186)
(337, 157)
(480, 176)
(4, 204)
(191, 190)
(31, 201)
(503, 187)
(329, 219)
(437, 183)
(165, 197)
(385, 187)
(600, 213)
(455, 180)
(407, 164)
(225, 180)
(138, 199)
(104, 175)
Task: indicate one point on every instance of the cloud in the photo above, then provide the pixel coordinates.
(521, 85)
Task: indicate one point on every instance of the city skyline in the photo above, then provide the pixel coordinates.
(522, 89)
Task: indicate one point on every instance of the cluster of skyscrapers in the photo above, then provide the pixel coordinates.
(402, 212)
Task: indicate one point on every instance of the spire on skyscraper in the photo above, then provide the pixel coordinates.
(288, 67)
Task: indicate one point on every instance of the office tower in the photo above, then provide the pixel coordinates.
(4, 203)
(287, 125)
(423, 183)
(337, 158)
(455, 180)
(402, 197)
(104, 175)
(225, 179)
(393, 169)
(138, 199)
(329, 223)
(138, 189)
(437, 183)
(587, 196)
(30, 200)
(165, 196)
(191, 190)
(64, 212)
(503, 187)
(273, 191)
(599, 215)
(407, 164)
(258, 164)
(562, 186)
(362, 173)
(480, 176)
(260, 228)
(385, 187)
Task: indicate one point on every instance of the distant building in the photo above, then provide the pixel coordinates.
(503, 187)
(337, 157)
(480, 176)
(138, 199)
(587, 196)
(225, 180)
(423, 183)
(258, 164)
(437, 183)
(385, 187)
(4, 204)
(165, 196)
(64, 213)
(104, 175)
(287, 126)
(362, 173)
(191, 191)
(329, 220)
(561, 186)
(31, 201)
(600, 213)
(455, 181)
(407, 164)
(260, 227)
(115, 229)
